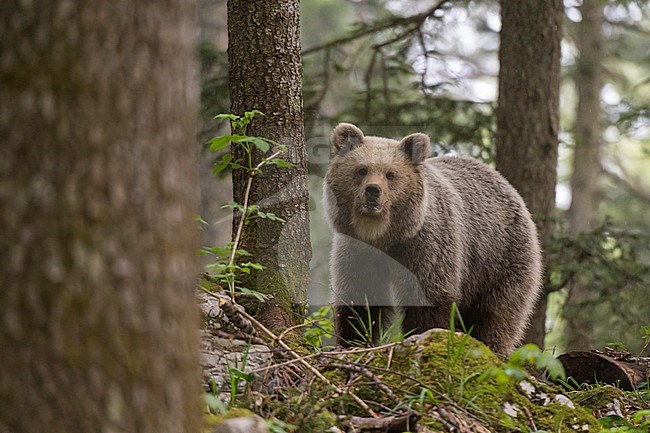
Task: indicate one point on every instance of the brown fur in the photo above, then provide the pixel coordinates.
(432, 232)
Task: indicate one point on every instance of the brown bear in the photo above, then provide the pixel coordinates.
(417, 235)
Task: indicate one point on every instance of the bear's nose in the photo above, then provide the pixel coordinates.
(373, 191)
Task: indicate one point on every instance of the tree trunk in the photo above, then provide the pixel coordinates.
(98, 193)
(583, 214)
(527, 114)
(266, 74)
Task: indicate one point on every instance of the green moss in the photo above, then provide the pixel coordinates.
(452, 372)
(211, 420)
(308, 410)
(431, 423)
(319, 422)
(597, 397)
(285, 279)
(275, 283)
(446, 382)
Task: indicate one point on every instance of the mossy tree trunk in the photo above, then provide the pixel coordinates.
(528, 114)
(266, 74)
(585, 191)
(97, 245)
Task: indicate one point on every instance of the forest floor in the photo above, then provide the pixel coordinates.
(439, 381)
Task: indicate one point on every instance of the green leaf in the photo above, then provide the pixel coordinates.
(242, 253)
(253, 113)
(241, 374)
(553, 367)
(218, 143)
(216, 406)
(282, 163)
(222, 164)
(199, 219)
(233, 205)
(238, 138)
(638, 416)
(273, 217)
(216, 251)
(262, 144)
(222, 117)
(259, 296)
(614, 420)
(253, 265)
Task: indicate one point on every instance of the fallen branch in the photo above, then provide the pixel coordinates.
(383, 25)
(235, 313)
(375, 381)
(242, 219)
(394, 423)
(462, 422)
(310, 367)
(609, 366)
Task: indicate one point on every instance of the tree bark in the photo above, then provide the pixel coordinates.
(585, 195)
(266, 74)
(527, 114)
(617, 368)
(583, 214)
(98, 193)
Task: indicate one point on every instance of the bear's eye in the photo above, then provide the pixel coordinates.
(363, 171)
(390, 175)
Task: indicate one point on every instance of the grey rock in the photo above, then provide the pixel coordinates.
(249, 424)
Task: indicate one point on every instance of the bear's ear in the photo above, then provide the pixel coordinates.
(416, 147)
(346, 137)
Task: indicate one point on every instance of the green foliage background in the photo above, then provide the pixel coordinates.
(441, 79)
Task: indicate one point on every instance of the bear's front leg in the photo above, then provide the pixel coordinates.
(360, 280)
(420, 319)
(426, 294)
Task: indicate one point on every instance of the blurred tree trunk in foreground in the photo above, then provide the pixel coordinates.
(585, 194)
(528, 115)
(266, 74)
(97, 185)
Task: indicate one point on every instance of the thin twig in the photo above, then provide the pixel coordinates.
(233, 311)
(368, 79)
(390, 357)
(331, 354)
(425, 53)
(383, 25)
(375, 380)
(236, 336)
(399, 37)
(396, 373)
(530, 419)
(242, 220)
(315, 103)
(293, 328)
(388, 423)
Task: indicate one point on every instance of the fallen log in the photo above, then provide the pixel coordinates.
(609, 366)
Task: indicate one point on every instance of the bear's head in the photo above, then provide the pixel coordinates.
(374, 187)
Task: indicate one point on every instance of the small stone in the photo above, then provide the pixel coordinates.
(249, 424)
(544, 398)
(510, 409)
(528, 388)
(564, 401)
(614, 408)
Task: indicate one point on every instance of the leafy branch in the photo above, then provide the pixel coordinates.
(228, 271)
